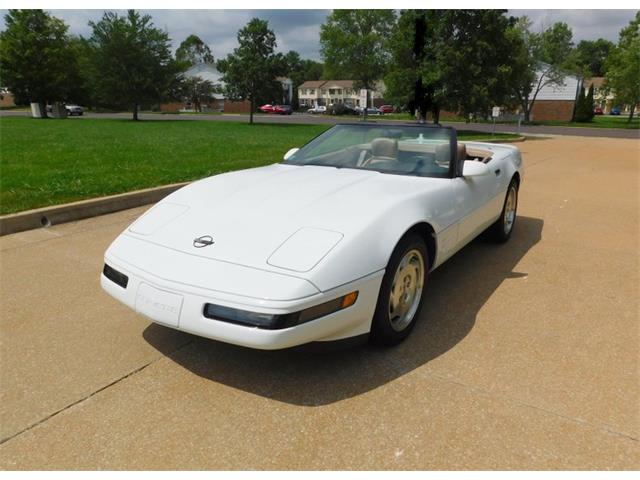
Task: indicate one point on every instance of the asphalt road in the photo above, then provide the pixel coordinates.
(324, 119)
(525, 357)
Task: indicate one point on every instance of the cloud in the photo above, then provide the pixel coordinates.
(300, 29)
(295, 29)
(586, 24)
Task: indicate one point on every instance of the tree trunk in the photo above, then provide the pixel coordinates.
(526, 111)
(135, 112)
(633, 107)
(436, 114)
(43, 109)
(251, 110)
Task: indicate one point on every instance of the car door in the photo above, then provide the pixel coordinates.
(474, 203)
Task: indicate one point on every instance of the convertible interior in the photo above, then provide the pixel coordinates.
(407, 156)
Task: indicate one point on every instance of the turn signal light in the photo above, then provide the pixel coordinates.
(275, 321)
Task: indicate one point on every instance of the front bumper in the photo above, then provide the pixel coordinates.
(180, 306)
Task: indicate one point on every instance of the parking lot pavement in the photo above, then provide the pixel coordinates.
(526, 355)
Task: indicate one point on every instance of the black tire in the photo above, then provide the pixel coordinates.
(498, 230)
(382, 330)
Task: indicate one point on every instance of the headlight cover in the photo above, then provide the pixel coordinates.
(278, 321)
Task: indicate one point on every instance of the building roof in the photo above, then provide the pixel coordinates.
(597, 82)
(206, 71)
(339, 83)
(312, 84)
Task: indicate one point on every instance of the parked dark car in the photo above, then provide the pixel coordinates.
(598, 111)
(282, 109)
(615, 111)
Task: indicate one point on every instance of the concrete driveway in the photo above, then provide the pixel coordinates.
(526, 355)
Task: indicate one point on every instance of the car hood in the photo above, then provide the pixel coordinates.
(279, 218)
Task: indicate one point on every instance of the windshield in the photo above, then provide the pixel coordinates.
(403, 149)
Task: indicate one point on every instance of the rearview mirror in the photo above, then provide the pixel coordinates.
(473, 168)
(290, 153)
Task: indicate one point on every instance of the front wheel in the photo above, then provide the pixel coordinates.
(402, 292)
(502, 228)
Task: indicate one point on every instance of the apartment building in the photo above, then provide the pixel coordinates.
(328, 92)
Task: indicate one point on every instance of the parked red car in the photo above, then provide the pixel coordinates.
(268, 108)
(598, 111)
(386, 109)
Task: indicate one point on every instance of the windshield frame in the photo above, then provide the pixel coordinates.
(454, 167)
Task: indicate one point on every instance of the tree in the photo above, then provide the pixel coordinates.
(584, 106)
(539, 60)
(589, 105)
(299, 71)
(353, 45)
(252, 68)
(443, 60)
(131, 60)
(193, 51)
(196, 90)
(37, 61)
(591, 56)
(623, 67)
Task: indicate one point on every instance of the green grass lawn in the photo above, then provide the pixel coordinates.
(49, 162)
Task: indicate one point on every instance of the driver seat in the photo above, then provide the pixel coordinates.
(383, 150)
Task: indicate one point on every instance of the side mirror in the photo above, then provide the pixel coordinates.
(290, 153)
(473, 168)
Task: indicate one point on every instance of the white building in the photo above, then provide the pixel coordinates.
(328, 92)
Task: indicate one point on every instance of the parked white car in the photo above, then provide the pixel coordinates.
(318, 109)
(337, 241)
(74, 110)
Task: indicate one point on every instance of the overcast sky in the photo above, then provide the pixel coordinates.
(299, 29)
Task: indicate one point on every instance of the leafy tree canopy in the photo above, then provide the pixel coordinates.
(250, 71)
(193, 51)
(353, 44)
(623, 66)
(591, 56)
(38, 62)
(453, 59)
(131, 60)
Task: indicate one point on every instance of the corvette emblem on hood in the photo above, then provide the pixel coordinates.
(203, 241)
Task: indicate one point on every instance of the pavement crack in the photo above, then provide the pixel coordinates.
(95, 392)
(602, 427)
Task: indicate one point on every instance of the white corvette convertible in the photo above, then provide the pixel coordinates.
(335, 242)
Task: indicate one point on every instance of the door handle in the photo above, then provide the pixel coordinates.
(497, 172)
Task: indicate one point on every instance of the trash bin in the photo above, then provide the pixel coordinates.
(35, 110)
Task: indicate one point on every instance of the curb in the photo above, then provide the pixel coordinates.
(68, 212)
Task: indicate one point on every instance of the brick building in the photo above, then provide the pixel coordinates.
(556, 102)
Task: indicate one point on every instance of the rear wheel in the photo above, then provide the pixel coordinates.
(502, 228)
(401, 293)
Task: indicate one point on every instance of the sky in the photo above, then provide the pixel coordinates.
(300, 29)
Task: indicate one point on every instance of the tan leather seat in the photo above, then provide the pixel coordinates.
(462, 152)
(383, 150)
